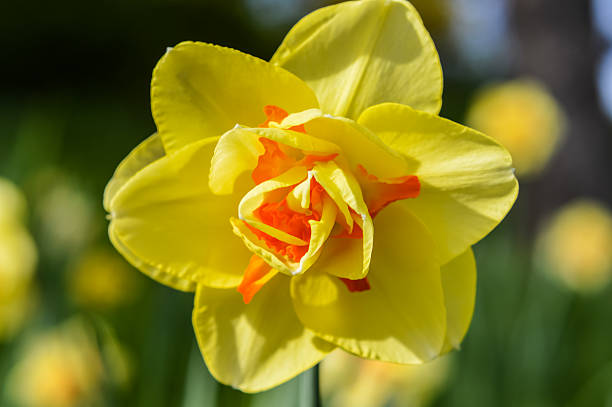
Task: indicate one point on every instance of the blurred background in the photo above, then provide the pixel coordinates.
(80, 327)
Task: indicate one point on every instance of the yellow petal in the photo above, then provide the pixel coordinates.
(344, 189)
(459, 285)
(257, 346)
(467, 180)
(257, 246)
(402, 317)
(298, 199)
(358, 54)
(355, 143)
(144, 154)
(238, 151)
(342, 257)
(168, 224)
(256, 197)
(201, 90)
(305, 142)
(358, 145)
(320, 231)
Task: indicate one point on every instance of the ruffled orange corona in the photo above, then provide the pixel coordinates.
(276, 213)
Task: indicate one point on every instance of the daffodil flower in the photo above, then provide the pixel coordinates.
(314, 201)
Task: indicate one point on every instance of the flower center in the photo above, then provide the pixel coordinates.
(298, 199)
(281, 217)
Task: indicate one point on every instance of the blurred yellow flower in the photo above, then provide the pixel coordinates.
(524, 117)
(101, 279)
(18, 258)
(347, 380)
(59, 368)
(575, 246)
(12, 203)
(63, 212)
(340, 209)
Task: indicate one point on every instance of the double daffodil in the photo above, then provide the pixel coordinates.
(314, 201)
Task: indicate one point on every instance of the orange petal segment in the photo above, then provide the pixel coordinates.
(272, 163)
(273, 114)
(281, 217)
(317, 194)
(380, 192)
(356, 286)
(310, 160)
(275, 160)
(257, 273)
(277, 114)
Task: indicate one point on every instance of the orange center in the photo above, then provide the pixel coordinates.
(278, 158)
(281, 217)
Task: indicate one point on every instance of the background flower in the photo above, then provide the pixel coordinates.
(524, 117)
(350, 381)
(575, 246)
(59, 368)
(101, 279)
(18, 257)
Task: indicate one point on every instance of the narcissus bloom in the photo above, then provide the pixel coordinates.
(100, 279)
(575, 246)
(314, 201)
(524, 117)
(59, 368)
(18, 258)
(347, 380)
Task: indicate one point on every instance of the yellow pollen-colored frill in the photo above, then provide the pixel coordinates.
(314, 201)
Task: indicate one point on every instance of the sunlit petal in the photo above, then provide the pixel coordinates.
(257, 346)
(238, 151)
(358, 54)
(402, 318)
(343, 188)
(459, 285)
(201, 90)
(168, 224)
(150, 150)
(467, 180)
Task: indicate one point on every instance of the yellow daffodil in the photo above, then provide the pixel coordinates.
(575, 246)
(100, 279)
(314, 201)
(524, 117)
(58, 368)
(350, 381)
(12, 203)
(18, 257)
(63, 212)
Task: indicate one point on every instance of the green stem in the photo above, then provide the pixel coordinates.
(316, 386)
(309, 388)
